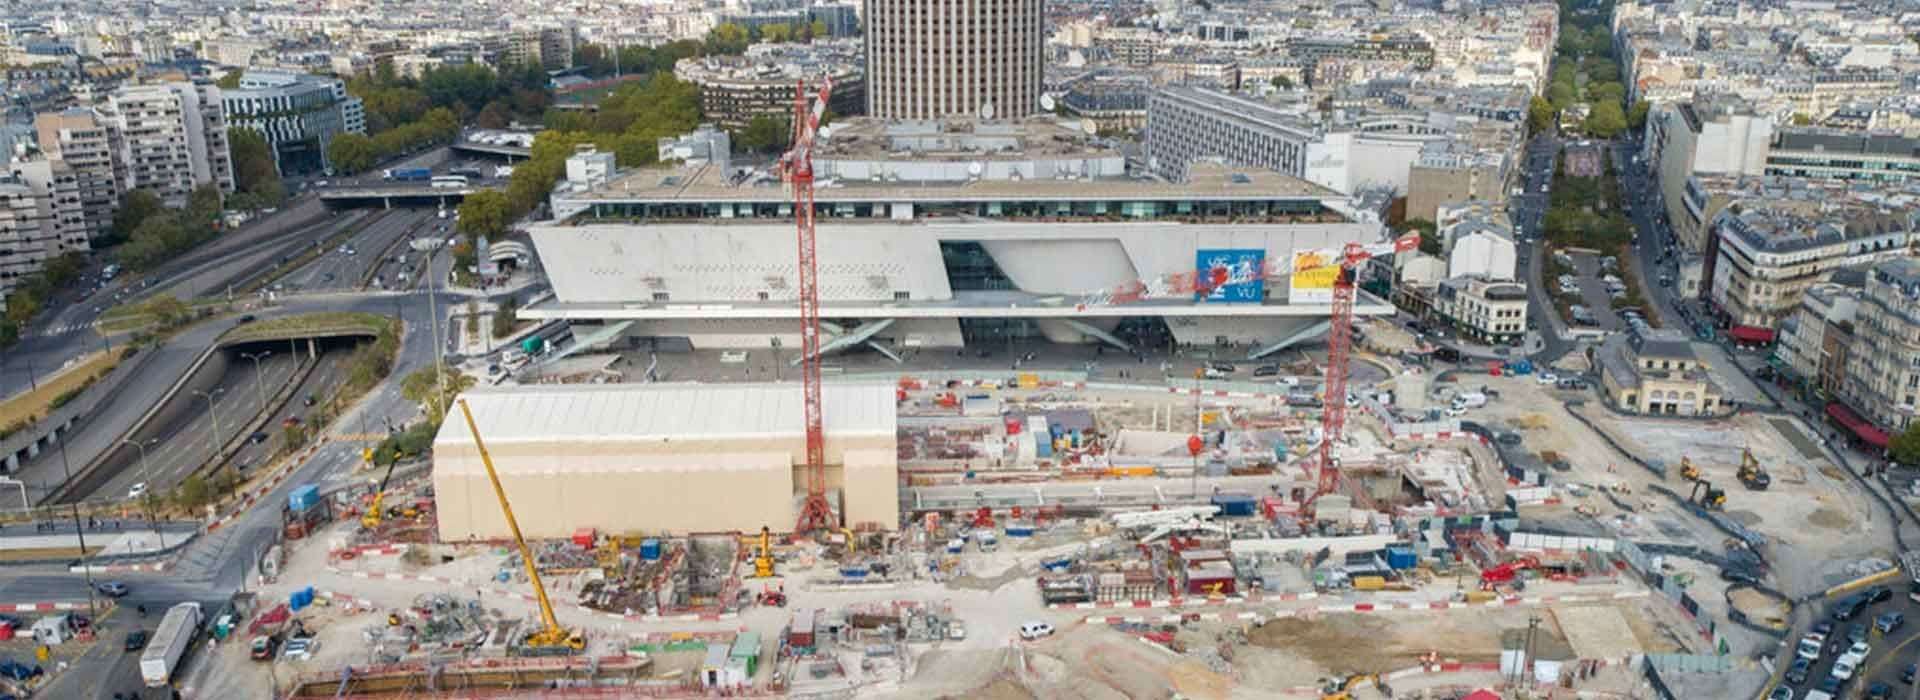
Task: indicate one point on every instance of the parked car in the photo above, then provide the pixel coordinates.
(1810, 647)
(1266, 370)
(1879, 691)
(1035, 630)
(1849, 608)
(1781, 693)
(1547, 378)
(1889, 622)
(1879, 594)
(1797, 672)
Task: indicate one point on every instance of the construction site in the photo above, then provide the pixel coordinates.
(1348, 523)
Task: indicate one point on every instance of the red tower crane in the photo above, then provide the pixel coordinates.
(797, 167)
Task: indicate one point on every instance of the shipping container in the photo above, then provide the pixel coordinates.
(1235, 503)
(1369, 583)
(650, 549)
(1400, 556)
(303, 498)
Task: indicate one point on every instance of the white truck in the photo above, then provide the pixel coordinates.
(162, 656)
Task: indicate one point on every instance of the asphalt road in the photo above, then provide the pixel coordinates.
(342, 267)
(189, 441)
(1528, 211)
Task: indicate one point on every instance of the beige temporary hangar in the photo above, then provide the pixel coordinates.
(663, 458)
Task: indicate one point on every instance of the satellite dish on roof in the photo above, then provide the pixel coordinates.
(974, 169)
(986, 111)
(1088, 126)
(826, 132)
(1046, 103)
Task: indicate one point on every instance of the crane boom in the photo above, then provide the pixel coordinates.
(551, 634)
(797, 165)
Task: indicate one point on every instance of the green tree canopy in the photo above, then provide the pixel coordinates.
(1637, 115)
(1905, 447)
(1540, 115)
(1606, 121)
(136, 208)
(485, 213)
(253, 170)
(351, 153)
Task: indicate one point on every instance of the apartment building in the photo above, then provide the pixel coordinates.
(173, 138)
(735, 89)
(550, 48)
(1487, 310)
(1763, 256)
(1718, 137)
(85, 142)
(1815, 339)
(1883, 376)
(23, 234)
(1477, 240)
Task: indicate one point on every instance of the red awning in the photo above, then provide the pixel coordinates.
(1751, 334)
(1859, 426)
(1482, 694)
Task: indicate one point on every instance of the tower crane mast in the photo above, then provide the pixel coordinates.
(797, 168)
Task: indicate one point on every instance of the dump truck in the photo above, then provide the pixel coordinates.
(162, 656)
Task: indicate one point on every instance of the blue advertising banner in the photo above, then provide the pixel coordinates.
(1243, 280)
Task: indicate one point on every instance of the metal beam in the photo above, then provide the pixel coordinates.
(600, 337)
(1104, 336)
(1313, 329)
(843, 340)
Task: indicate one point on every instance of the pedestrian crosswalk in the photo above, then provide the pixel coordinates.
(69, 328)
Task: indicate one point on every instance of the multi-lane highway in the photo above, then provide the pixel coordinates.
(343, 267)
(184, 443)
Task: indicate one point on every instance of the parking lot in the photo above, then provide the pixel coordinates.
(1593, 284)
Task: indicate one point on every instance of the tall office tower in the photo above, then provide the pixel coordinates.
(928, 59)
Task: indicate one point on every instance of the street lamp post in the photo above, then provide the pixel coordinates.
(213, 440)
(86, 567)
(146, 477)
(258, 387)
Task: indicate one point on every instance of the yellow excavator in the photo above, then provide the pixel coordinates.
(551, 638)
(1752, 475)
(1688, 471)
(1337, 689)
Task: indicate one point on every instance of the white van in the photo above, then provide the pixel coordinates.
(1035, 630)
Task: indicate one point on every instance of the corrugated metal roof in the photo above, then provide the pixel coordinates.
(602, 412)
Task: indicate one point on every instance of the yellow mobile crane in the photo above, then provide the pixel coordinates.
(763, 562)
(551, 638)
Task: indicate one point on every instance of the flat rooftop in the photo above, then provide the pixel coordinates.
(704, 182)
(612, 413)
